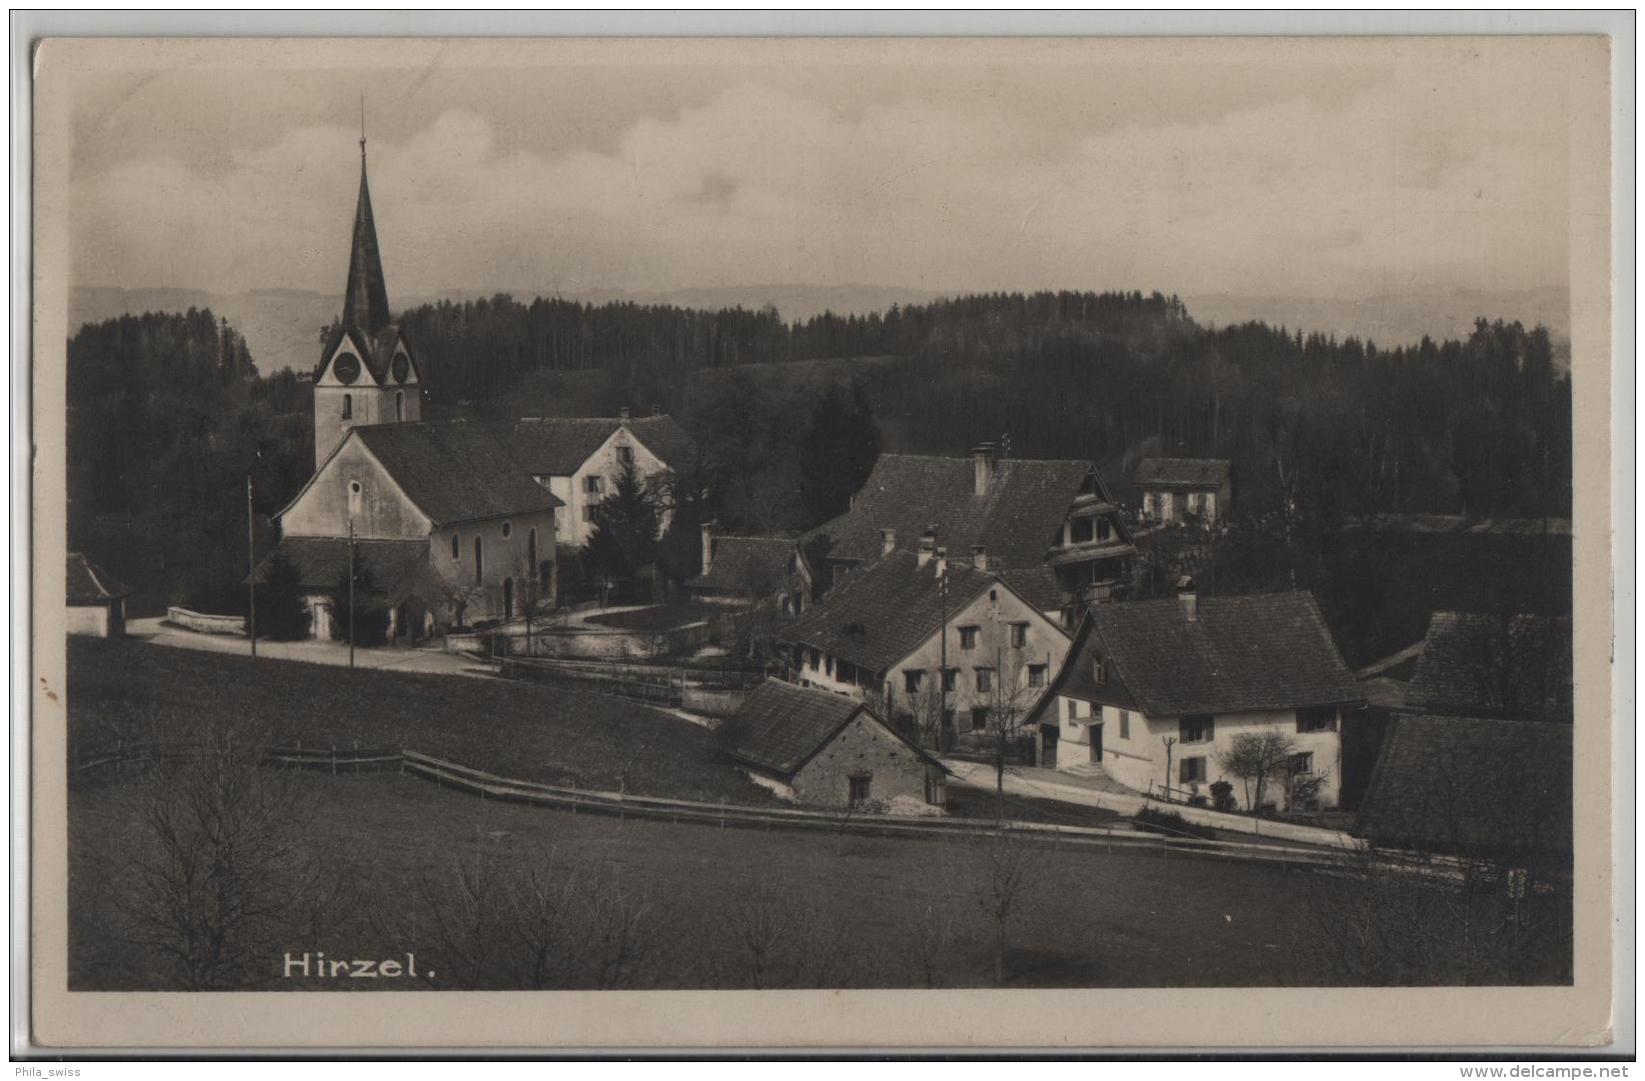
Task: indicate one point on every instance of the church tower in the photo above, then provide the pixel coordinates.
(367, 372)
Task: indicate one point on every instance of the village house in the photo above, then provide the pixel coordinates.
(1493, 789)
(580, 458)
(746, 571)
(1176, 490)
(1153, 693)
(96, 602)
(1504, 666)
(826, 750)
(939, 646)
(1026, 514)
(440, 518)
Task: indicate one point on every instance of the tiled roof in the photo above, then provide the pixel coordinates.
(1509, 666)
(455, 472)
(1016, 521)
(781, 726)
(1036, 585)
(1458, 782)
(881, 612)
(1181, 472)
(747, 565)
(558, 446)
(90, 584)
(391, 566)
(1259, 651)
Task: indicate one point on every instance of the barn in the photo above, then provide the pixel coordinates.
(824, 749)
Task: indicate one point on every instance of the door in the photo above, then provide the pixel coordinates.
(508, 598)
(1096, 742)
(1049, 734)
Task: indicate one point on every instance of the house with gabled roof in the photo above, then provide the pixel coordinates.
(1019, 514)
(936, 643)
(1153, 693)
(1185, 489)
(828, 750)
(580, 458)
(1502, 665)
(746, 571)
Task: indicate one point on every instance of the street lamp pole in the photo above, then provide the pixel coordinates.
(351, 591)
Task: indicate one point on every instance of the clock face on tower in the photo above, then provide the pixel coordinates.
(347, 368)
(401, 367)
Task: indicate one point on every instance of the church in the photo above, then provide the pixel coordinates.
(444, 527)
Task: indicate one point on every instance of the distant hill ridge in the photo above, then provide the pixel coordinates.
(282, 326)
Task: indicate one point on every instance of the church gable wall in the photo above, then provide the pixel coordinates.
(380, 509)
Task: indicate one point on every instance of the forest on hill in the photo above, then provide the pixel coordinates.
(168, 414)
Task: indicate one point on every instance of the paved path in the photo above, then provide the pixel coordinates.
(401, 659)
(1036, 783)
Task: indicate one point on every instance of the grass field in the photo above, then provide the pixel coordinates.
(1089, 918)
(523, 730)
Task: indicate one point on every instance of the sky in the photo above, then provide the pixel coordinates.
(1295, 168)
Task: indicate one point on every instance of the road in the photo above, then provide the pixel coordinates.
(435, 661)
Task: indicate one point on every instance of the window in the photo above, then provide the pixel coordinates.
(399, 405)
(948, 720)
(1099, 672)
(1317, 719)
(353, 497)
(1191, 770)
(968, 637)
(1196, 728)
(348, 407)
(479, 562)
(1036, 675)
(1019, 635)
(985, 680)
(588, 513)
(950, 678)
(456, 548)
(1303, 762)
(828, 665)
(531, 546)
(625, 455)
(1105, 530)
(508, 529)
(912, 679)
(846, 672)
(1082, 530)
(1125, 724)
(594, 485)
(545, 575)
(1073, 708)
(859, 788)
(979, 718)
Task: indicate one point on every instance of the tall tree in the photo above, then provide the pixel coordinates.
(837, 451)
(624, 540)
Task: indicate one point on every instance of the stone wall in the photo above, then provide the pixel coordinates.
(863, 748)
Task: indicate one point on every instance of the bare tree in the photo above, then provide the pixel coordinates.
(533, 598)
(1006, 864)
(1008, 702)
(219, 879)
(777, 934)
(1254, 757)
(930, 942)
(456, 594)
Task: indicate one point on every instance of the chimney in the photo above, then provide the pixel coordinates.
(979, 557)
(942, 562)
(928, 546)
(708, 546)
(656, 410)
(622, 414)
(983, 455)
(888, 541)
(1188, 598)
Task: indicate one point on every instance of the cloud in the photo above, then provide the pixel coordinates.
(1298, 184)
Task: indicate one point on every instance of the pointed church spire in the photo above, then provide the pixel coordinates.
(365, 303)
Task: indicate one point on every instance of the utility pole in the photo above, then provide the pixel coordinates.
(251, 562)
(351, 591)
(942, 671)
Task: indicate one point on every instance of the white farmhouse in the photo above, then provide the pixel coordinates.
(1185, 489)
(580, 458)
(1154, 693)
(919, 635)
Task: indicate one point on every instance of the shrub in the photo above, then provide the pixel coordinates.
(1222, 796)
(1170, 823)
(281, 614)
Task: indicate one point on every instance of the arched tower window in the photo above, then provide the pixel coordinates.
(479, 562)
(456, 548)
(353, 498)
(399, 405)
(531, 546)
(348, 407)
